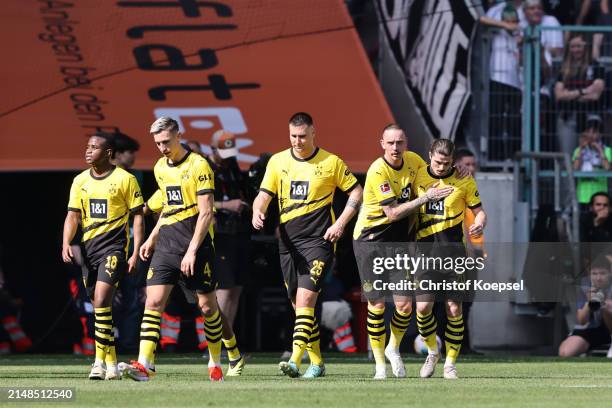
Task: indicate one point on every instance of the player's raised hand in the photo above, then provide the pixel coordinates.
(188, 264)
(258, 219)
(67, 254)
(334, 232)
(147, 249)
(434, 193)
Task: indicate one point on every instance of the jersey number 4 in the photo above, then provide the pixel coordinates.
(98, 208)
(299, 190)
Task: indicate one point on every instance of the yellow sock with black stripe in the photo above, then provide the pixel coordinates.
(426, 323)
(213, 328)
(304, 323)
(453, 337)
(232, 348)
(314, 345)
(377, 333)
(399, 324)
(103, 332)
(149, 336)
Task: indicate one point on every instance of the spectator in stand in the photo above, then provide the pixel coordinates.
(551, 41)
(590, 11)
(594, 314)
(564, 11)
(600, 16)
(591, 155)
(551, 45)
(578, 90)
(596, 226)
(505, 80)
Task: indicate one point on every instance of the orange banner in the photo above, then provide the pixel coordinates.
(245, 65)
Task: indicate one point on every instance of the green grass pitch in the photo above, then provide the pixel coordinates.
(182, 381)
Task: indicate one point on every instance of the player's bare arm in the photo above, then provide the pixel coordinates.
(71, 223)
(334, 232)
(205, 217)
(260, 206)
(138, 228)
(480, 221)
(395, 212)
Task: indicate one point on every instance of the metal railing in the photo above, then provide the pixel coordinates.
(527, 188)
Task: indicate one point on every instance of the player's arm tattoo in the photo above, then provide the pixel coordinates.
(353, 203)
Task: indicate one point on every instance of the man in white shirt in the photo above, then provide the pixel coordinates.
(505, 79)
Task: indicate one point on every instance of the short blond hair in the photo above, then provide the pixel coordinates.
(164, 123)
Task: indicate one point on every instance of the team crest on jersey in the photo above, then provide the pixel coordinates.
(185, 175)
(385, 187)
(112, 190)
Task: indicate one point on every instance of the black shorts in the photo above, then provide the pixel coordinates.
(437, 282)
(378, 282)
(165, 269)
(231, 261)
(598, 336)
(109, 269)
(305, 268)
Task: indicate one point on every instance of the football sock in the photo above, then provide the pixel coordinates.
(314, 345)
(377, 333)
(399, 324)
(213, 328)
(304, 323)
(149, 336)
(103, 332)
(453, 337)
(232, 348)
(426, 324)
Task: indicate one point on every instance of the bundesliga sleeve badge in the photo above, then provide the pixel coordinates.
(385, 188)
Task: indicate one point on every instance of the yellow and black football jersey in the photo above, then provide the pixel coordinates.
(442, 221)
(180, 184)
(385, 185)
(105, 204)
(155, 203)
(305, 191)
